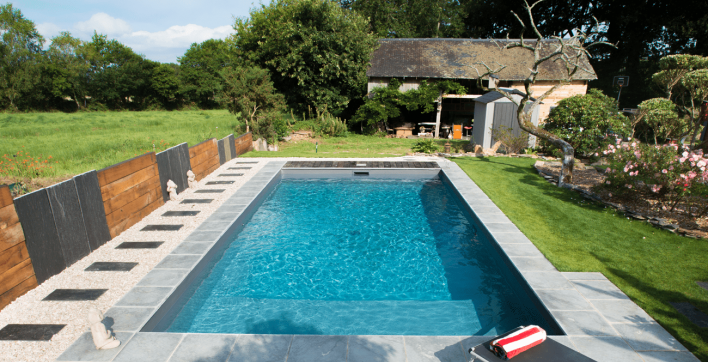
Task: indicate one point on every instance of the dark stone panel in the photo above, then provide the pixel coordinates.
(222, 151)
(220, 182)
(161, 228)
(29, 332)
(163, 168)
(232, 145)
(173, 164)
(182, 151)
(239, 168)
(110, 266)
(140, 245)
(251, 161)
(62, 295)
(181, 213)
(214, 191)
(230, 174)
(69, 221)
(41, 235)
(196, 201)
(92, 209)
(692, 313)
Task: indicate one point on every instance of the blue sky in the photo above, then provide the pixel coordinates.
(161, 30)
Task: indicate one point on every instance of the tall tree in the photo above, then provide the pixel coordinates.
(69, 68)
(317, 52)
(199, 71)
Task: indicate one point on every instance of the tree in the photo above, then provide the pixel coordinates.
(21, 51)
(316, 51)
(69, 66)
(200, 69)
(165, 83)
(248, 91)
(662, 116)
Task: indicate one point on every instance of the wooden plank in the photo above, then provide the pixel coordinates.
(5, 196)
(16, 275)
(8, 216)
(13, 256)
(22, 288)
(133, 207)
(131, 194)
(127, 223)
(11, 236)
(120, 170)
(119, 186)
(201, 147)
(94, 215)
(203, 169)
(202, 157)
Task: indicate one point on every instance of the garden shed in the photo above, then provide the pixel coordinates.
(493, 111)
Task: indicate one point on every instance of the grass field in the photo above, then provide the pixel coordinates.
(80, 142)
(653, 267)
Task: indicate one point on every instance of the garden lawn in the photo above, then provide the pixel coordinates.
(83, 141)
(653, 267)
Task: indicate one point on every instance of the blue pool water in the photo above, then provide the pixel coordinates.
(347, 257)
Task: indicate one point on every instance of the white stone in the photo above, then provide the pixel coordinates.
(102, 338)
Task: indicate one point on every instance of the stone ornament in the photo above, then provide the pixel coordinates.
(191, 179)
(172, 190)
(102, 338)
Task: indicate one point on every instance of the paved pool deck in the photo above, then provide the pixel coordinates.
(600, 321)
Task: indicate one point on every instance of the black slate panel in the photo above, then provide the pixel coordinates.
(196, 201)
(230, 174)
(220, 182)
(92, 209)
(251, 161)
(140, 245)
(240, 168)
(181, 213)
(41, 235)
(73, 295)
(173, 164)
(232, 145)
(692, 313)
(163, 169)
(69, 221)
(213, 191)
(161, 228)
(222, 151)
(110, 266)
(29, 332)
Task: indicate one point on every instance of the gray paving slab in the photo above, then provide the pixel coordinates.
(599, 289)
(567, 299)
(547, 280)
(703, 285)
(622, 311)
(306, 348)
(606, 349)
(178, 262)
(376, 349)
(83, 349)
(583, 323)
(475, 202)
(261, 348)
(485, 209)
(204, 347)
(210, 236)
(522, 250)
(149, 347)
(511, 238)
(654, 356)
(695, 315)
(531, 263)
(163, 278)
(144, 297)
(127, 319)
(224, 217)
(226, 209)
(564, 340)
(434, 348)
(238, 200)
(192, 247)
(501, 228)
(494, 218)
(584, 276)
(648, 337)
(469, 342)
(250, 192)
(214, 225)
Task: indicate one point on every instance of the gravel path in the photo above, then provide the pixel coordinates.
(30, 308)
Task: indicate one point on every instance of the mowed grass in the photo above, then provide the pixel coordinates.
(84, 141)
(653, 267)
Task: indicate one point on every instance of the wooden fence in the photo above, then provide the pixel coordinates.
(16, 272)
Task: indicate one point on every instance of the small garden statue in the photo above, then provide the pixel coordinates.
(191, 179)
(102, 338)
(172, 190)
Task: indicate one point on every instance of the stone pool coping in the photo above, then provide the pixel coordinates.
(601, 322)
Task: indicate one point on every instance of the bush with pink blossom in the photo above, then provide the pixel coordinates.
(660, 173)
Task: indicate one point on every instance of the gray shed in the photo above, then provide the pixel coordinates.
(493, 110)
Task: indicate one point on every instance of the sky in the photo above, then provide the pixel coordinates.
(161, 30)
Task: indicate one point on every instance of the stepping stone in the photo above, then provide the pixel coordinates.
(162, 227)
(230, 174)
(214, 191)
(703, 285)
(246, 162)
(196, 201)
(239, 168)
(29, 332)
(692, 313)
(110, 266)
(74, 294)
(220, 182)
(180, 213)
(140, 245)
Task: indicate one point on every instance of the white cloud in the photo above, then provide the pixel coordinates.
(103, 23)
(48, 30)
(174, 37)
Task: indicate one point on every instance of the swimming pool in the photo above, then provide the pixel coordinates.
(348, 256)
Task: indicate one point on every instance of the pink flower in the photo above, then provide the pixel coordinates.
(608, 182)
(629, 186)
(608, 170)
(655, 188)
(671, 168)
(664, 171)
(685, 154)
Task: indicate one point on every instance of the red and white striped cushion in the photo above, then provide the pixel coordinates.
(518, 341)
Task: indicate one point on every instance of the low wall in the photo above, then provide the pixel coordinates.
(244, 143)
(16, 272)
(204, 158)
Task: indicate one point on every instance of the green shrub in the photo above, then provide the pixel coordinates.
(511, 143)
(425, 146)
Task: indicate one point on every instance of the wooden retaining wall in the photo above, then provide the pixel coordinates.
(204, 158)
(244, 143)
(16, 272)
(130, 191)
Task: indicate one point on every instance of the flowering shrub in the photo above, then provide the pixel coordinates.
(660, 173)
(23, 165)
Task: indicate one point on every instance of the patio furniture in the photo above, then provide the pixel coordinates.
(403, 132)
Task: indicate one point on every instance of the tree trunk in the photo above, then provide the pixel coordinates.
(566, 173)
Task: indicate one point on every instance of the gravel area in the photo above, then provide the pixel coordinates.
(30, 308)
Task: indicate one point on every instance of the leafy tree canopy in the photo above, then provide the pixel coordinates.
(200, 69)
(662, 116)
